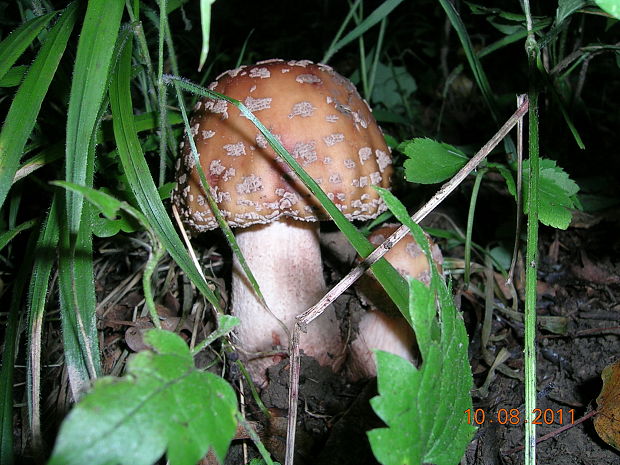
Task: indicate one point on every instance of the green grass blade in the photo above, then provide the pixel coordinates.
(14, 76)
(470, 222)
(381, 12)
(139, 176)
(77, 296)
(230, 237)
(26, 105)
(352, 9)
(390, 279)
(472, 58)
(11, 336)
(90, 74)
(161, 93)
(475, 65)
(205, 24)
(14, 45)
(46, 156)
(7, 236)
(45, 254)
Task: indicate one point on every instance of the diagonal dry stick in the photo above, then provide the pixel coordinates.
(309, 315)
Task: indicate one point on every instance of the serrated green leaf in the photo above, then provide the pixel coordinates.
(430, 161)
(163, 404)
(610, 6)
(556, 194)
(424, 408)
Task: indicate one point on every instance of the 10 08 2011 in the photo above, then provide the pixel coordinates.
(515, 416)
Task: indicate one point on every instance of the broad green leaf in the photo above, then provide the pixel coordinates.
(429, 161)
(392, 86)
(424, 408)
(163, 404)
(556, 194)
(88, 87)
(26, 104)
(610, 6)
(567, 8)
(17, 41)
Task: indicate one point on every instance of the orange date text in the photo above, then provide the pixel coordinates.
(514, 416)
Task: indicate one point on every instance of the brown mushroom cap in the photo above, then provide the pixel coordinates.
(407, 256)
(317, 115)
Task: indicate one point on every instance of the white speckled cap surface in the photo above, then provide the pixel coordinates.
(317, 115)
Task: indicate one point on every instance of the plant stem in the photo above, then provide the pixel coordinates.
(470, 222)
(532, 248)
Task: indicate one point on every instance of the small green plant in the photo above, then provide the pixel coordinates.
(163, 404)
(424, 406)
(431, 162)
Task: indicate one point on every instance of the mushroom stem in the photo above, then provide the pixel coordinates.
(285, 258)
(382, 332)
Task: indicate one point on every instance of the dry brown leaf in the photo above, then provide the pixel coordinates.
(607, 422)
(593, 272)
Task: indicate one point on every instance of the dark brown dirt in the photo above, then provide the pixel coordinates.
(581, 285)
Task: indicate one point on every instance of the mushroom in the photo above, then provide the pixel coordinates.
(383, 327)
(319, 117)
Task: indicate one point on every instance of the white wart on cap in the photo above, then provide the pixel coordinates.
(319, 117)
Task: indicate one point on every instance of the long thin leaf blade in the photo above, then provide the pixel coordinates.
(13, 76)
(45, 254)
(380, 13)
(11, 336)
(27, 102)
(139, 176)
(8, 236)
(14, 45)
(92, 63)
(77, 297)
